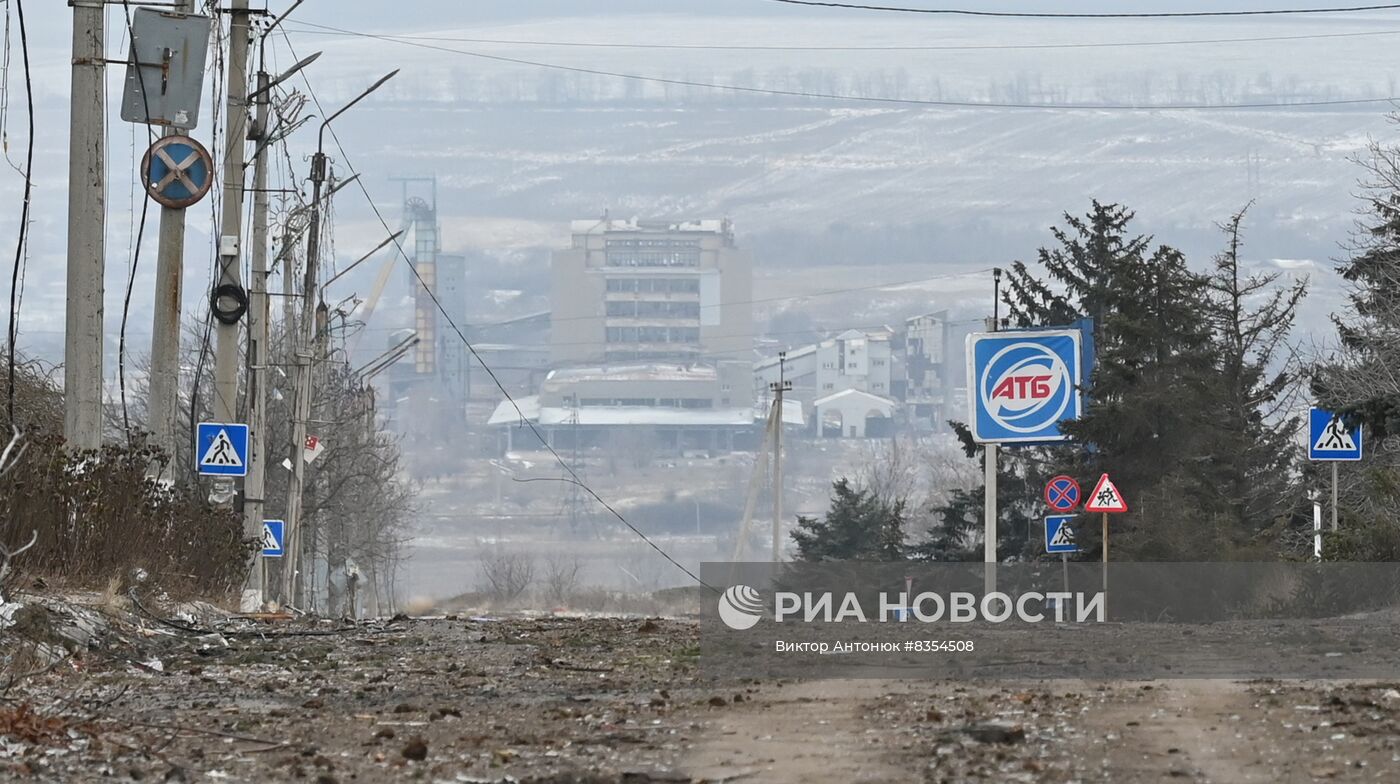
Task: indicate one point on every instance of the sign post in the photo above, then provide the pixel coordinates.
(1022, 385)
(1331, 440)
(1105, 499)
(1060, 538)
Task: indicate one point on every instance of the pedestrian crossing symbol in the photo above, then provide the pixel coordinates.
(272, 532)
(1330, 439)
(222, 449)
(1059, 534)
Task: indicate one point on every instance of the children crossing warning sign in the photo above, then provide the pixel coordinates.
(222, 449)
(1105, 497)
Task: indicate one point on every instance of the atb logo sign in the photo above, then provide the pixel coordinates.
(740, 607)
(1023, 384)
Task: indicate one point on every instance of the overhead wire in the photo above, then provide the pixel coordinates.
(413, 268)
(869, 48)
(140, 233)
(1090, 15)
(13, 333)
(888, 100)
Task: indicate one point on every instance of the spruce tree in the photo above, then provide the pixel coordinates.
(1361, 382)
(859, 526)
(1247, 474)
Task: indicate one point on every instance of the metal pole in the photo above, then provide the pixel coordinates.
(1334, 496)
(226, 357)
(1317, 529)
(778, 390)
(163, 383)
(989, 481)
(301, 395)
(87, 196)
(259, 337)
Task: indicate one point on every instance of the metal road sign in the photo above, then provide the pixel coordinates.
(177, 171)
(1105, 497)
(165, 68)
(222, 449)
(272, 538)
(1062, 493)
(1329, 438)
(1059, 535)
(1023, 383)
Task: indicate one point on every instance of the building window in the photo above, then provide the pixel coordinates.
(828, 386)
(877, 363)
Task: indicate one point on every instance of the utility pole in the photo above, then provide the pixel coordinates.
(306, 339)
(164, 378)
(254, 485)
(87, 197)
(301, 396)
(779, 387)
(989, 480)
(227, 315)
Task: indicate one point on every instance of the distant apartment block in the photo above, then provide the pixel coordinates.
(630, 290)
(854, 359)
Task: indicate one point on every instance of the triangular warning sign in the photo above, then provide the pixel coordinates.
(1335, 438)
(1105, 498)
(269, 541)
(221, 452)
(1063, 537)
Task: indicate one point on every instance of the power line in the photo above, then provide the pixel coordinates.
(1111, 15)
(136, 249)
(863, 98)
(359, 181)
(873, 48)
(23, 215)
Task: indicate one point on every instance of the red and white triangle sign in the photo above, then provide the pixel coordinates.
(1105, 497)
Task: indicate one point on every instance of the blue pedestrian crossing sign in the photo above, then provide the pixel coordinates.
(1059, 534)
(222, 449)
(1330, 439)
(272, 538)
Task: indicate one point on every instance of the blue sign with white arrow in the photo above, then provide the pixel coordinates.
(272, 539)
(1059, 535)
(222, 449)
(1330, 439)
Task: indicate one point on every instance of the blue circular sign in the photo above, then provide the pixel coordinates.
(1026, 387)
(177, 171)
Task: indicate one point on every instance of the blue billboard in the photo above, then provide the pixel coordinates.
(1023, 383)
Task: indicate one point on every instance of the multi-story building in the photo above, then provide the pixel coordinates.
(852, 360)
(629, 290)
(927, 365)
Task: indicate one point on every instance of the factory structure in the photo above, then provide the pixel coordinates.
(651, 331)
(649, 338)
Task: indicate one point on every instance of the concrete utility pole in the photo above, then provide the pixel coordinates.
(306, 339)
(164, 378)
(87, 197)
(226, 359)
(779, 387)
(254, 485)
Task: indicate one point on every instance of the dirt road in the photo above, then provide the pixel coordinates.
(611, 700)
(1183, 730)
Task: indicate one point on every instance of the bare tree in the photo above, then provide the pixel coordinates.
(506, 574)
(560, 579)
